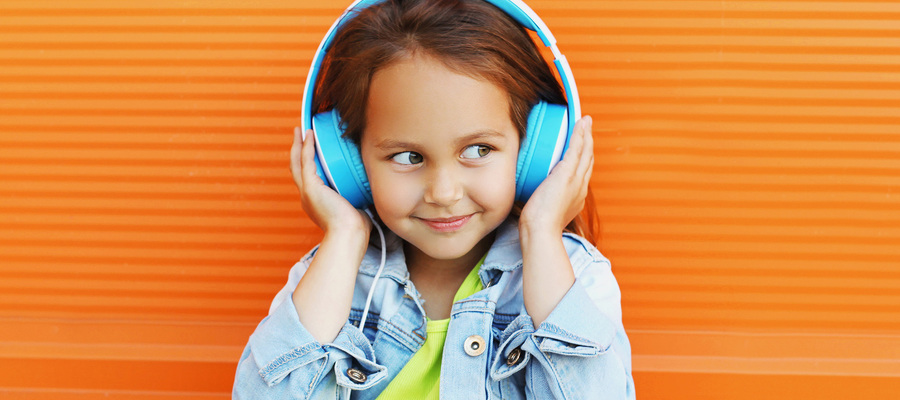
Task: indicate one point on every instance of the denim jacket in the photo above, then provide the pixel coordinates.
(580, 351)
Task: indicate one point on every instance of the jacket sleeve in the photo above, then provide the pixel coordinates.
(283, 361)
(581, 350)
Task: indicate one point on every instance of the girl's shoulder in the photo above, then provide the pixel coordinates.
(296, 272)
(582, 252)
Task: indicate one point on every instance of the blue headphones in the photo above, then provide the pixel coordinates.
(338, 161)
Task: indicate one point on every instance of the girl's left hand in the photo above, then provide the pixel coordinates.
(560, 197)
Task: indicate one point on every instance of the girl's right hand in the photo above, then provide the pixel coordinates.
(325, 293)
(327, 209)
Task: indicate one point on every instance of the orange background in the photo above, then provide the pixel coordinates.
(747, 175)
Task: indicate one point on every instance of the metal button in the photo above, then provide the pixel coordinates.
(474, 345)
(356, 375)
(514, 356)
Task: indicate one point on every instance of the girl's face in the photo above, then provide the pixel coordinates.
(440, 152)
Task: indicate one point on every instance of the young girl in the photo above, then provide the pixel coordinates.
(480, 297)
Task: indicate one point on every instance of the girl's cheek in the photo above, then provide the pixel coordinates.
(394, 193)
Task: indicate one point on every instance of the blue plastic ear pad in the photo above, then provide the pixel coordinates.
(543, 146)
(338, 161)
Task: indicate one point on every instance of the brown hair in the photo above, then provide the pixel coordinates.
(470, 37)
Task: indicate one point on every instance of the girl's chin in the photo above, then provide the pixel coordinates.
(443, 253)
(447, 249)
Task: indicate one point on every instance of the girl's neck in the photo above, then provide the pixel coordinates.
(421, 265)
(438, 280)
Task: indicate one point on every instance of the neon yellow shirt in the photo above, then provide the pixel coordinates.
(420, 378)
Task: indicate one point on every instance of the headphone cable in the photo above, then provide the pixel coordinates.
(362, 322)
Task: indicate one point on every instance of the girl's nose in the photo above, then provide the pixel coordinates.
(444, 188)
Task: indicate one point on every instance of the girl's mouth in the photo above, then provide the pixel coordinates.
(446, 224)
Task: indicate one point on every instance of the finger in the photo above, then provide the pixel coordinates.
(295, 147)
(295, 155)
(590, 171)
(570, 158)
(587, 151)
(308, 158)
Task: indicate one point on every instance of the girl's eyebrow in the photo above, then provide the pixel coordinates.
(480, 134)
(390, 143)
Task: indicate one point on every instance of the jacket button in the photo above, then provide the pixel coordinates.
(356, 375)
(514, 357)
(474, 345)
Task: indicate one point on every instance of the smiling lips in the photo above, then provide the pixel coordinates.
(446, 224)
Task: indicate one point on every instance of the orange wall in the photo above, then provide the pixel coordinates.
(747, 174)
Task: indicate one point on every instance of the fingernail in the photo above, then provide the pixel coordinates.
(590, 121)
(297, 133)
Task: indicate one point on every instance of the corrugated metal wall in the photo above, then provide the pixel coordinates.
(748, 179)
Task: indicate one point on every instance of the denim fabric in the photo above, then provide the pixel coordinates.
(579, 352)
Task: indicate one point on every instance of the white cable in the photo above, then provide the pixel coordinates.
(362, 322)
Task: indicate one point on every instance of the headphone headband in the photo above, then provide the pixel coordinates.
(516, 9)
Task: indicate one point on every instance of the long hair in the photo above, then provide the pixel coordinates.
(469, 37)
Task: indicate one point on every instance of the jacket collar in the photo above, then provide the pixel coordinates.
(506, 252)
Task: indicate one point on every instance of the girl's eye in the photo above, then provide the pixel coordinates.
(407, 158)
(476, 151)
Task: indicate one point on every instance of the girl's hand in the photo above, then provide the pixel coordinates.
(327, 209)
(560, 197)
(547, 271)
(325, 293)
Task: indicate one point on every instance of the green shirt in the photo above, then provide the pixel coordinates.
(420, 378)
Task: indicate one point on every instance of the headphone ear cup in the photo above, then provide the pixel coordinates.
(546, 136)
(338, 161)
